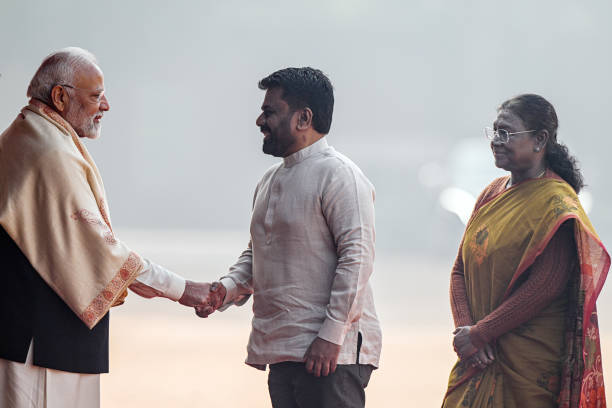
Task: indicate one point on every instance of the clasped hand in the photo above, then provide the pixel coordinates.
(467, 351)
(204, 297)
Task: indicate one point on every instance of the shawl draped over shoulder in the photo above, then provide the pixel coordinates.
(53, 205)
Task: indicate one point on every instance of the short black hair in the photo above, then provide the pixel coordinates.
(305, 88)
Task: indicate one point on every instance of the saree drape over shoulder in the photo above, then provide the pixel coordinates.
(553, 359)
(53, 205)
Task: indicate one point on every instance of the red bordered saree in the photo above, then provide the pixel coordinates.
(53, 205)
(553, 359)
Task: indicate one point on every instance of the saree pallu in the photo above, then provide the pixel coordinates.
(554, 359)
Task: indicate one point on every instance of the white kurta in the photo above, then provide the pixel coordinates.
(309, 260)
(29, 386)
(24, 385)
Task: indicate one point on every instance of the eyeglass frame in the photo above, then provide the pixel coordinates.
(497, 135)
(99, 99)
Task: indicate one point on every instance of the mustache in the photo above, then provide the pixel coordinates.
(264, 128)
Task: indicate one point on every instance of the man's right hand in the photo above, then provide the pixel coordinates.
(204, 297)
(321, 358)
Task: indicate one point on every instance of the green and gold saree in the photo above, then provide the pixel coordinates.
(554, 359)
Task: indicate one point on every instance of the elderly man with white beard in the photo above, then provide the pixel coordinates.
(62, 266)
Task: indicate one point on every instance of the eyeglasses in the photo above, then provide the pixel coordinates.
(97, 96)
(501, 135)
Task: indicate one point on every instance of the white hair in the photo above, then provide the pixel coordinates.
(59, 68)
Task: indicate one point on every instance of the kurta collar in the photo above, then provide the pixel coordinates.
(306, 152)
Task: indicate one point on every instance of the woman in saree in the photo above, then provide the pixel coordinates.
(529, 269)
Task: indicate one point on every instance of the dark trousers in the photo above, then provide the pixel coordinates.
(291, 386)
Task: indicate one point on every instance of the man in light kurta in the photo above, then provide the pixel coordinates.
(62, 265)
(310, 256)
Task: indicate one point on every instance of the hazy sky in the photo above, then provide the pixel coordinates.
(414, 80)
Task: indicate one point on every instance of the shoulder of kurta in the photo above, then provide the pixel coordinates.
(332, 160)
(336, 166)
(270, 171)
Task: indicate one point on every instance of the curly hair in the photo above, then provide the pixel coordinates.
(539, 114)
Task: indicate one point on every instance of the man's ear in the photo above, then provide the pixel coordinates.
(59, 98)
(304, 119)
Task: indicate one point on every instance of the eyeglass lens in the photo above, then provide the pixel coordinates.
(499, 134)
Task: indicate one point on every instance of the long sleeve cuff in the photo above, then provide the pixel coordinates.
(176, 287)
(333, 331)
(476, 337)
(155, 280)
(231, 290)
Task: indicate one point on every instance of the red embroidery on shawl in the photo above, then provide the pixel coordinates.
(93, 219)
(100, 305)
(50, 112)
(104, 212)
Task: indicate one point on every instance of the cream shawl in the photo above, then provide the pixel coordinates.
(52, 204)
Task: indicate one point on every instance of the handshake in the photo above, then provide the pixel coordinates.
(204, 297)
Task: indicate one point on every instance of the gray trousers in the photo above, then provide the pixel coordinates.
(291, 386)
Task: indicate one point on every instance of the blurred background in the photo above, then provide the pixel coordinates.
(415, 83)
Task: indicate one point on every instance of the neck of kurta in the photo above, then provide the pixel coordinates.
(306, 152)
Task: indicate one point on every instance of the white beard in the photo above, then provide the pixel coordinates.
(84, 127)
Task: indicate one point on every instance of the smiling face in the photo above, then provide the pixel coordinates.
(87, 103)
(277, 122)
(519, 153)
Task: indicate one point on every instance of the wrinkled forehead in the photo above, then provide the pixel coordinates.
(89, 76)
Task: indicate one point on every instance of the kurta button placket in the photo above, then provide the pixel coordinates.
(273, 198)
